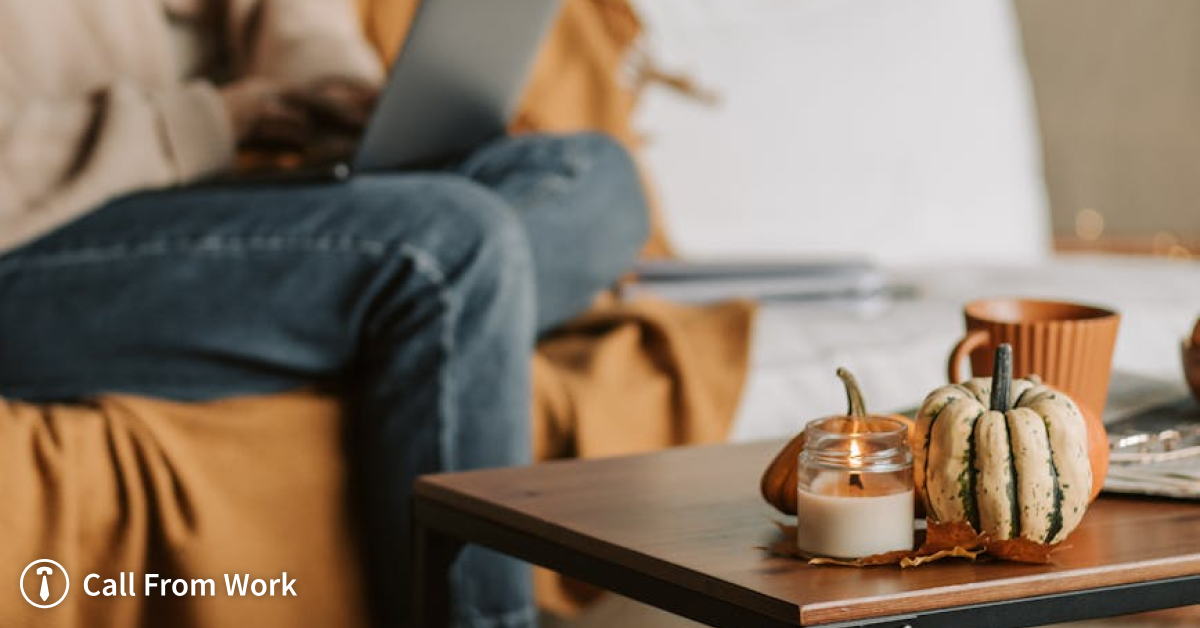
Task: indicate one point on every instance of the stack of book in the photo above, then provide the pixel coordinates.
(702, 282)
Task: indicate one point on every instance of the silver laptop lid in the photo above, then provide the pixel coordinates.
(457, 81)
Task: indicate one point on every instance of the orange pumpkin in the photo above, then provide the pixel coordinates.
(1097, 450)
(778, 483)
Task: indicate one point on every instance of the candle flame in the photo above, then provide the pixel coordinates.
(855, 454)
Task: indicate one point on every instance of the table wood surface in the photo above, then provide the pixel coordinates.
(693, 517)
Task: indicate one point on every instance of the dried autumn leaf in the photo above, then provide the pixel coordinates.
(961, 534)
(941, 536)
(1021, 551)
(920, 559)
(886, 558)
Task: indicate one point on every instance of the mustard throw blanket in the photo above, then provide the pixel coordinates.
(257, 485)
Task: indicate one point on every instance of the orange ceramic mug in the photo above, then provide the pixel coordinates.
(1068, 344)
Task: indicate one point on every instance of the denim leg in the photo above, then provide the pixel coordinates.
(415, 291)
(580, 199)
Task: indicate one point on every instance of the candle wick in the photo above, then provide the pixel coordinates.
(856, 479)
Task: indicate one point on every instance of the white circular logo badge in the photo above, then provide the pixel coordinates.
(43, 592)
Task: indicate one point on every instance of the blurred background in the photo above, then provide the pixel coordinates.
(1117, 87)
(833, 127)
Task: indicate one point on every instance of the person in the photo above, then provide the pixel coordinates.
(418, 294)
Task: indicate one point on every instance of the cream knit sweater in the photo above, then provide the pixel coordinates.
(95, 101)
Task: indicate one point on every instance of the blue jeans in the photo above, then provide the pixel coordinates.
(419, 295)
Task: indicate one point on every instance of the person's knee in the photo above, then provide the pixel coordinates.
(610, 204)
(615, 175)
(452, 218)
(484, 228)
(451, 231)
(591, 169)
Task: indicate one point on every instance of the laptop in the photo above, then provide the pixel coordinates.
(455, 84)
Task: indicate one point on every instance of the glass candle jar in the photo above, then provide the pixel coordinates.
(855, 488)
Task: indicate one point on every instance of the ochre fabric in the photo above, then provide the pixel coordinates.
(632, 378)
(259, 485)
(252, 486)
(639, 376)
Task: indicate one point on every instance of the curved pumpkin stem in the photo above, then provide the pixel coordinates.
(1002, 369)
(858, 408)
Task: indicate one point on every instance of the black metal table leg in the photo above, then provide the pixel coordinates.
(433, 553)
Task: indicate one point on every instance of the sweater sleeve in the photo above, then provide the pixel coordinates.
(299, 41)
(58, 158)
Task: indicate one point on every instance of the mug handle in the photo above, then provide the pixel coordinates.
(973, 340)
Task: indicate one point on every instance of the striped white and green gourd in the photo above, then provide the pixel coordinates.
(1010, 457)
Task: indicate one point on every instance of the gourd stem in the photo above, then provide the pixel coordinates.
(853, 394)
(1002, 377)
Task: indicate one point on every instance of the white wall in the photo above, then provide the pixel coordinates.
(903, 130)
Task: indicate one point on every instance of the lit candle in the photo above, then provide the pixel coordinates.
(855, 464)
(855, 489)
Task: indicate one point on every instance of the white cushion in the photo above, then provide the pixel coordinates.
(903, 130)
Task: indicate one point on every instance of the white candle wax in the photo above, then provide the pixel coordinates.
(845, 521)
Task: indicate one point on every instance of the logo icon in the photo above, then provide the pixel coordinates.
(42, 568)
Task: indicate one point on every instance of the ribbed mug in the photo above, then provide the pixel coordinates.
(1070, 345)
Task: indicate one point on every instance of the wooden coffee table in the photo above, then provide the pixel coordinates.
(679, 530)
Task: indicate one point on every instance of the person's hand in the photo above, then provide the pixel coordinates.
(339, 109)
(335, 105)
(321, 121)
(265, 116)
(322, 118)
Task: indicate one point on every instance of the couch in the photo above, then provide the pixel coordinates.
(258, 485)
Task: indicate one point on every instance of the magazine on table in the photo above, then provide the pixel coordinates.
(1154, 435)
